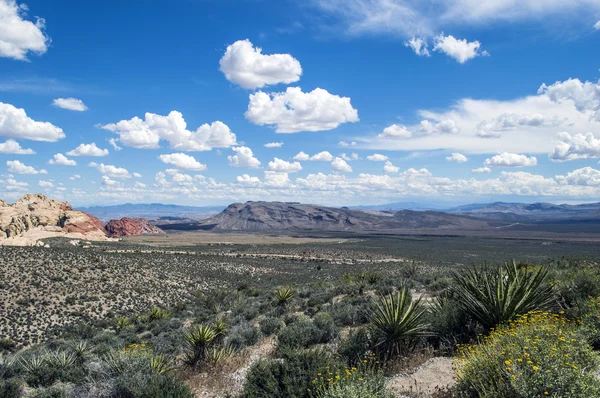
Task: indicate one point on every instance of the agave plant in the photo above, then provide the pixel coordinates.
(495, 295)
(197, 341)
(284, 294)
(161, 364)
(397, 323)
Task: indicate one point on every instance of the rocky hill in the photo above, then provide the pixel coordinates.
(261, 216)
(130, 226)
(35, 217)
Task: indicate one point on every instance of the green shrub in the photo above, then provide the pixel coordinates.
(327, 329)
(305, 332)
(355, 346)
(366, 380)
(291, 376)
(397, 324)
(270, 325)
(449, 323)
(55, 391)
(537, 355)
(11, 388)
(243, 335)
(151, 386)
(496, 295)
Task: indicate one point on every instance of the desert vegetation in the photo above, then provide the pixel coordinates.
(313, 320)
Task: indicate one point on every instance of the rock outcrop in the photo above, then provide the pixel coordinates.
(131, 226)
(35, 216)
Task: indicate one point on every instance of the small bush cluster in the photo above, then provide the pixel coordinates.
(538, 354)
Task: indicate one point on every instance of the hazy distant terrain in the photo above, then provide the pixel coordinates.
(152, 211)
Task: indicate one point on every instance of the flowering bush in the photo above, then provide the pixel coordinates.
(537, 355)
(365, 380)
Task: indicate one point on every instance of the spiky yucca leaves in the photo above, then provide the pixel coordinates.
(33, 364)
(216, 354)
(161, 364)
(61, 359)
(197, 341)
(496, 295)
(82, 351)
(156, 313)
(122, 323)
(397, 323)
(284, 295)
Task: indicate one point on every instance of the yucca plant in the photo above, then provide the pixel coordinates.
(33, 364)
(157, 313)
(82, 351)
(197, 341)
(496, 295)
(216, 354)
(122, 323)
(397, 323)
(284, 294)
(161, 364)
(61, 359)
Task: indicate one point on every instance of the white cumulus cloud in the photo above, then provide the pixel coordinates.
(586, 176)
(293, 111)
(247, 66)
(419, 45)
(282, 166)
(577, 146)
(597, 25)
(584, 95)
(14, 166)
(481, 170)
(506, 159)
(61, 160)
(14, 123)
(182, 161)
(459, 49)
(72, 104)
(273, 144)
(323, 156)
(19, 36)
(390, 168)
(110, 170)
(88, 150)
(146, 133)
(457, 158)
(377, 157)
(12, 147)
(341, 166)
(395, 131)
(243, 158)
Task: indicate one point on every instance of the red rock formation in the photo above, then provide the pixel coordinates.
(131, 226)
(37, 212)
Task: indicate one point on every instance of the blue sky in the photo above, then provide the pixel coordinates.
(451, 101)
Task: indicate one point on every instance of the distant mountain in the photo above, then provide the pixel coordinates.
(265, 216)
(152, 211)
(400, 206)
(529, 212)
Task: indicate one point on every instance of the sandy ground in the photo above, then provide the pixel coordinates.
(436, 372)
(224, 383)
(32, 237)
(192, 238)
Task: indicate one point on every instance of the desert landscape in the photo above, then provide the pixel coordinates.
(274, 299)
(299, 199)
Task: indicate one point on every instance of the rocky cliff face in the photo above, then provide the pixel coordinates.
(131, 226)
(35, 214)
